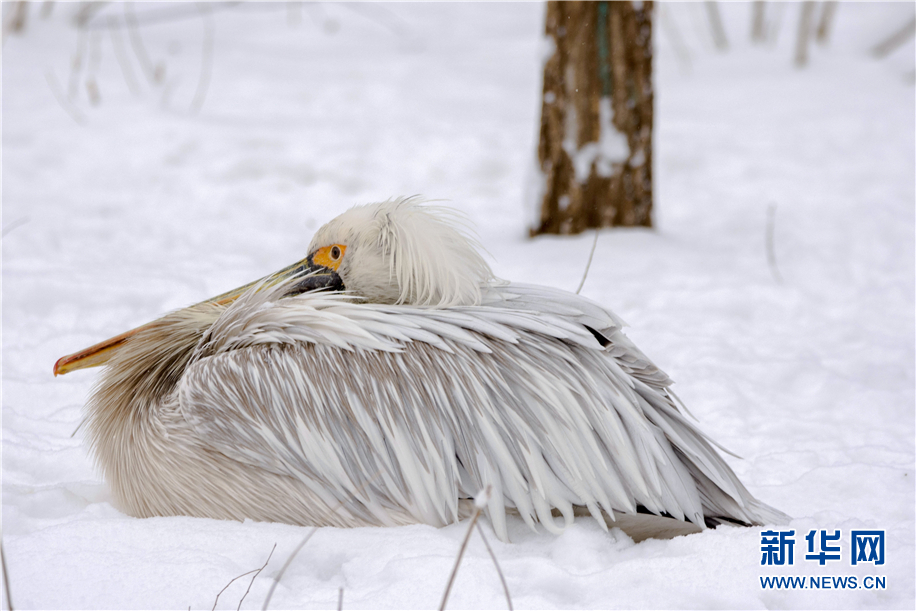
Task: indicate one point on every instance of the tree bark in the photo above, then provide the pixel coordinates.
(595, 148)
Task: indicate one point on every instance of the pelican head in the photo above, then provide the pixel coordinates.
(401, 252)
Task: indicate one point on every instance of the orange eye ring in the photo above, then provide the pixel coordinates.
(330, 256)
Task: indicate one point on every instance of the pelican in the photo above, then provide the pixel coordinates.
(385, 380)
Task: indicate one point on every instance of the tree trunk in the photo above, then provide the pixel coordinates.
(595, 147)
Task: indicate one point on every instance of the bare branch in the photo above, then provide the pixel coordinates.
(895, 40)
(14, 224)
(16, 21)
(771, 251)
(121, 54)
(758, 23)
(233, 580)
(804, 33)
(285, 566)
(479, 503)
(314, 529)
(86, 12)
(175, 12)
(499, 571)
(6, 580)
(671, 29)
(133, 31)
(382, 16)
(715, 22)
(69, 108)
(76, 65)
(774, 22)
(92, 68)
(255, 577)
(823, 26)
(206, 59)
(256, 571)
(589, 264)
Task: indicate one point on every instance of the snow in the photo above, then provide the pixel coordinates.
(145, 206)
(612, 147)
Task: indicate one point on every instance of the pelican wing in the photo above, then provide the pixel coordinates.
(387, 410)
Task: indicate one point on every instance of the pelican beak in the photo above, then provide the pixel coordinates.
(315, 276)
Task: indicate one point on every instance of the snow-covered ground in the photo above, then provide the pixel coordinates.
(116, 213)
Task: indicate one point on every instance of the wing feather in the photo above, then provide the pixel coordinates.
(394, 409)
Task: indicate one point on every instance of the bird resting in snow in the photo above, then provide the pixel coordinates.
(385, 380)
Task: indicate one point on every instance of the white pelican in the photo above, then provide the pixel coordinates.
(385, 380)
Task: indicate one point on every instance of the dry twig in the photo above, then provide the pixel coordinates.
(589, 264)
(16, 20)
(479, 503)
(153, 74)
(14, 224)
(672, 30)
(70, 109)
(86, 12)
(804, 33)
(499, 571)
(299, 547)
(206, 59)
(285, 566)
(123, 61)
(175, 11)
(771, 251)
(826, 20)
(6, 580)
(92, 68)
(250, 583)
(255, 571)
(76, 65)
(715, 23)
(895, 40)
(758, 22)
(774, 21)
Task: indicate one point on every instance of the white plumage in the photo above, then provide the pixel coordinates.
(398, 399)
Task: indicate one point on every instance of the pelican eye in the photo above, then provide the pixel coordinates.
(329, 256)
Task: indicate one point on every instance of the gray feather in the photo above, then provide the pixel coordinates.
(524, 399)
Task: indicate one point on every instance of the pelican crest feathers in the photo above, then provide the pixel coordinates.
(401, 251)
